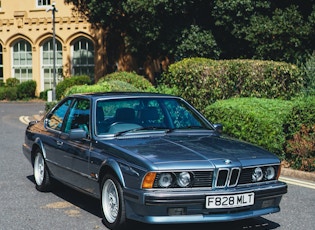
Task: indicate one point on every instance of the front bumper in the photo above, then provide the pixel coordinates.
(162, 207)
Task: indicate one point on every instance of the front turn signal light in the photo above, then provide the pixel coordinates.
(148, 180)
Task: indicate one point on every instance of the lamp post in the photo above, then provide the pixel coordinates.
(54, 10)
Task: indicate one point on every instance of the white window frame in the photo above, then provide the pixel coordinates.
(43, 3)
(28, 67)
(50, 65)
(84, 65)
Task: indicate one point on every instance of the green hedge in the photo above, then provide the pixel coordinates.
(69, 82)
(284, 127)
(300, 146)
(134, 79)
(203, 81)
(8, 93)
(100, 87)
(26, 89)
(105, 86)
(259, 121)
(303, 114)
(12, 82)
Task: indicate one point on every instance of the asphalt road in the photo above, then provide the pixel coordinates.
(23, 207)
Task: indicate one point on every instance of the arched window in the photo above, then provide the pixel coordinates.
(48, 63)
(83, 57)
(22, 60)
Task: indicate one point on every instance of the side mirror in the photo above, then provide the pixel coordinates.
(76, 134)
(218, 128)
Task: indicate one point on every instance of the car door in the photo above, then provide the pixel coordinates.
(77, 150)
(58, 162)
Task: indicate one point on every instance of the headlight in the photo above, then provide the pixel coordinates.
(257, 175)
(165, 180)
(183, 179)
(270, 173)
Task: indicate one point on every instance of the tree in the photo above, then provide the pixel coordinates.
(274, 30)
(282, 37)
(230, 17)
(153, 29)
(195, 42)
(148, 27)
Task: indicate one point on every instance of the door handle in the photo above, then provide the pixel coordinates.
(59, 143)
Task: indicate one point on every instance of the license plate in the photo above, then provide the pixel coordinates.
(230, 201)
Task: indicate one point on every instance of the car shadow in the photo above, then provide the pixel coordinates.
(92, 205)
(74, 197)
(258, 223)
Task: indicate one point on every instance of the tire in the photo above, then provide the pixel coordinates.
(112, 204)
(41, 174)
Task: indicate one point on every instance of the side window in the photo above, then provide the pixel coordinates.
(56, 118)
(79, 116)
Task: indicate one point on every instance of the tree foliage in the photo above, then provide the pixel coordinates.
(148, 26)
(284, 36)
(274, 30)
(195, 42)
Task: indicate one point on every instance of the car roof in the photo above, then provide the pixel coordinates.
(111, 95)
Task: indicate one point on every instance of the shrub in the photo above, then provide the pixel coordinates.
(286, 128)
(12, 82)
(132, 78)
(87, 89)
(166, 90)
(300, 134)
(26, 89)
(43, 95)
(8, 93)
(105, 86)
(69, 82)
(302, 114)
(203, 81)
(259, 121)
(2, 93)
(308, 69)
(50, 105)
(302, 149)
(101, 87)
(122, 86)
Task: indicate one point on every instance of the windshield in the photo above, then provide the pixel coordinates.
(121, 115)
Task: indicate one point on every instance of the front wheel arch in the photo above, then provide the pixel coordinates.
(37, 146)
(111, 166)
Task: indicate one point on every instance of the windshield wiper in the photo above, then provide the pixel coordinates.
(167, 130)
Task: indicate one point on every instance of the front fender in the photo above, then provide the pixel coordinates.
(38, 144)
(112, 166)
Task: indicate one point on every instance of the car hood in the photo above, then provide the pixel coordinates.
(193, 151)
